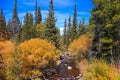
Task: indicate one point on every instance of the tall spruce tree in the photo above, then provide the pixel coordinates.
(15, 13)
(65, 33)
(39, 15)
(28, 29)
(3, 30)
(81, 27)
(69, 31)
(112, 27)
(98, 21)
(50, 26)
(36, 12)
(74, 27)
(105, 30)
(15, 25)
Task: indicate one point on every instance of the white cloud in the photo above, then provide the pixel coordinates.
(61, 30)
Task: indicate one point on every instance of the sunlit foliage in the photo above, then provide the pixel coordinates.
(36, 54)
(81, 46)
(6, 49)
(100, 70)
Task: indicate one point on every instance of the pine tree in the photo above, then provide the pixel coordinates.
(32, 28)
(99, 22)
(69, 31)
(25, 27)
(74, 27)
(36, 12)
(3, 30)
(28, 29)
(15, 25)
(81, 27)
(40, 30)
(50, 26)
(15, 13)
(106, 32)
(39, 15)
(58, 38)
(65, 33)
(112, 11)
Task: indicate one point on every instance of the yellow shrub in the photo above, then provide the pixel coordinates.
(6, 49)
(100, 70)
(35, 54)
(80, 47)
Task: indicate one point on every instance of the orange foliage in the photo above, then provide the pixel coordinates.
(81, 46)
(35, 54)
(6, 48)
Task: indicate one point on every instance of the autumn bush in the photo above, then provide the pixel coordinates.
(81, 46)
(100, 70)
(35, 55)
(6, 49)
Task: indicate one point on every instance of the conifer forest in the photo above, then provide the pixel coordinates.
(40, 46)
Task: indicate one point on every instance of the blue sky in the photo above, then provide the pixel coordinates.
(63, 8)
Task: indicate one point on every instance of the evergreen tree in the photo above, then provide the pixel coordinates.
(28, 29)
(32, 28)
(15, 25)
(74, 27)
(69, 31)
(65, 33)
(103, 17)
(39, 15)
(25, 27)
(112, 27)
(15, 13)
(40, 30)
(3, 30)
(50, 26)
(58, 37)
(81, 27)
(98, 22)
(36, 13)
